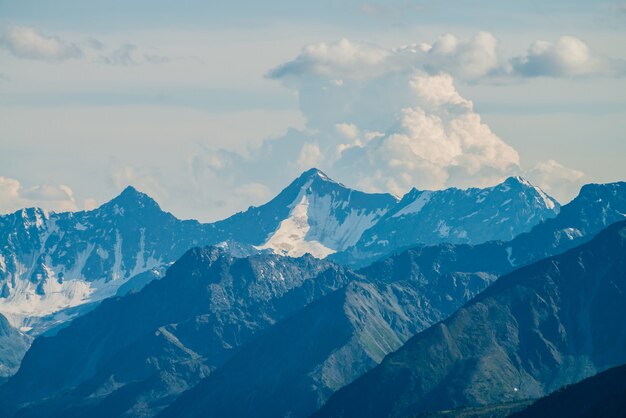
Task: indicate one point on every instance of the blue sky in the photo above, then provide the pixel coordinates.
(214, 106)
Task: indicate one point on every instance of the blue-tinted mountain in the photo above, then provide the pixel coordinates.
(13, 345)
(470, 216)
(314, 214)
(51, 264)
(599, 396)
(131, 355)
(291, 369)
(534, 330)
(595, 207)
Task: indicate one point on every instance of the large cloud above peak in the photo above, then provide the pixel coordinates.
(387, 133)
(438, 141)
(386, 120)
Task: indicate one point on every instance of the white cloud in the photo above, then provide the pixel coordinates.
(568, 57)
(347, 130)
(377, 118)
(440, 141)
(476, 59)
(30, 43)
(557, 180)
(407, 130)
(14, 196)
(146, 180)
(470, 59)
(310, 156)
(337, 60)
(25, 42)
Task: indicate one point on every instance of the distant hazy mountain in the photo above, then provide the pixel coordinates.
(470, 216)
(314, 215)
(545, 325)
(595, 207)
(133, 354)
(51, 264)
(599, 396)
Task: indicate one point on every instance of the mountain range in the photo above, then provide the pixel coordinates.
(52, 264)
(278, 309)
(534, 330)
(470, 216)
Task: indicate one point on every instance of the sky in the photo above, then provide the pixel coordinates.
(210, 107)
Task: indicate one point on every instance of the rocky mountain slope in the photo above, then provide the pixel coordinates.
(132, 355)
(470, 216)
(291, 369)
(13, 345)
(534, 330)
(314, 214)
(51, 263)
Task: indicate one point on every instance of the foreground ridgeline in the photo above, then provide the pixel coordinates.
(600, 396)
(543, 326)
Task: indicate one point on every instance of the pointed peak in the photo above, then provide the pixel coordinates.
(131, 198)
(315, 173)
(517, 180)
(130, 191)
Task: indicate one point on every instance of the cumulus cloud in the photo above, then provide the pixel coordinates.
(475, 59)
(14, 196)
(339, 59)
(470, 59)
(438, 141)
(561, 182)
(385, 134)
(386, 120)
(25, 42)
(310, 156)
(567, 57)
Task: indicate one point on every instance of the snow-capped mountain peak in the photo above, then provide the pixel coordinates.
(323, 216)
(51, 262)
(455, 215)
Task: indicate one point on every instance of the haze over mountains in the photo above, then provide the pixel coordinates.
(278, 309)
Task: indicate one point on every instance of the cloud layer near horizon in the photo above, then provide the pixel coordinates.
(377, 119)
(58, 198)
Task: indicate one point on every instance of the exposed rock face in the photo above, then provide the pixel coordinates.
(543, 326)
